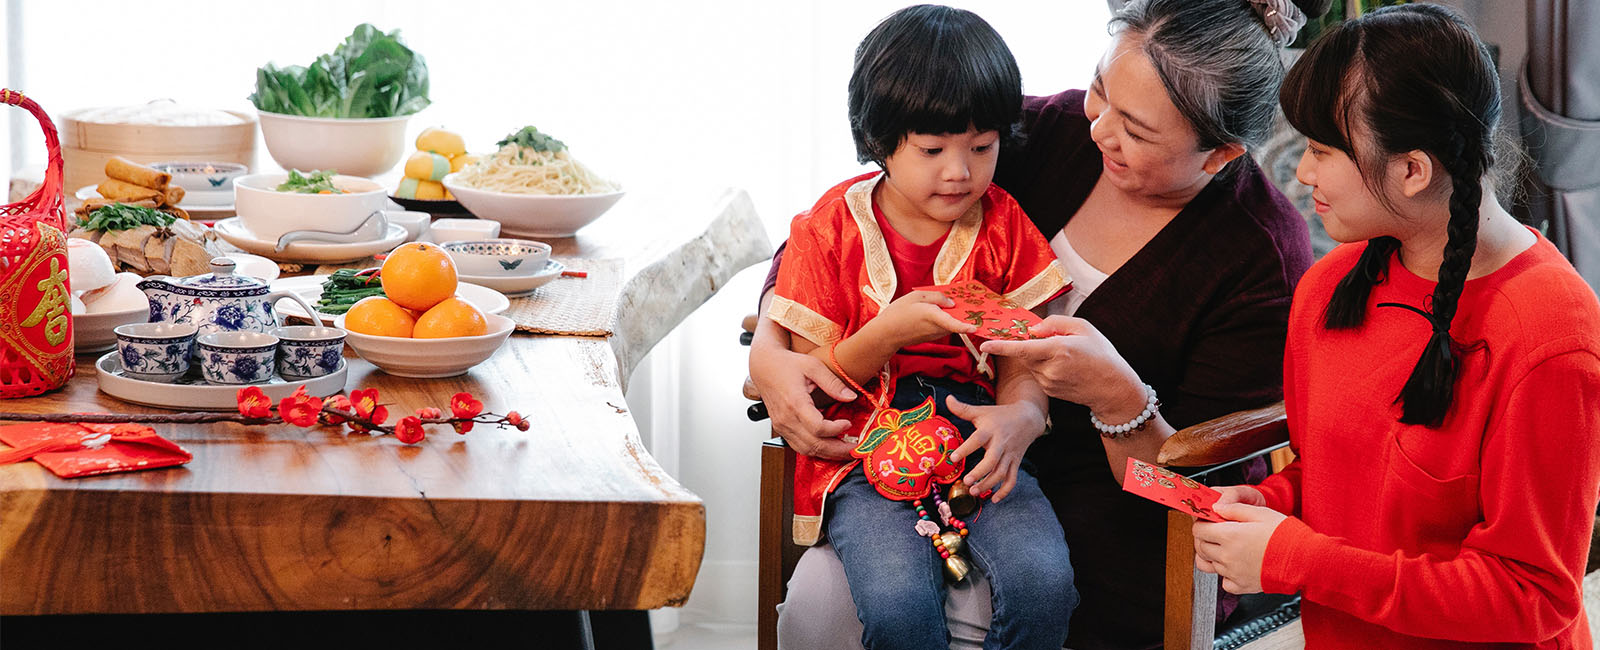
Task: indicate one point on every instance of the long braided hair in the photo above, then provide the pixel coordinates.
(1415, 77)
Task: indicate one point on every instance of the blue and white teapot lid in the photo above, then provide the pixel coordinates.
(222, 277)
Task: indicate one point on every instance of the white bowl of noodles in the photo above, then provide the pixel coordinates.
(534, 215)
(534, 187)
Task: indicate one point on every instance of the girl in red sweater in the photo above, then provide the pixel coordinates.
(1442, 373)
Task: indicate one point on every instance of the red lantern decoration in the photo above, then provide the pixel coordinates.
(35, 303)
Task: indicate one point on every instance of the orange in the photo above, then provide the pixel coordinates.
(418, 276)
(451, 317)
(379, 316)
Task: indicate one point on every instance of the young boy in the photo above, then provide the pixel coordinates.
(935, 93)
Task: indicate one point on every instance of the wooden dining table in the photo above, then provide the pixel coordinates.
(573, 514)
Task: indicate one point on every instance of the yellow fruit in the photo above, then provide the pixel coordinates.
(427, 166)
(440, 141)
(462, 160)
(452, 317)
(411, 188)
(419, 275)
(379, 316)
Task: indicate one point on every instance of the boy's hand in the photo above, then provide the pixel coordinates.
(918, 317)
(1004, 432)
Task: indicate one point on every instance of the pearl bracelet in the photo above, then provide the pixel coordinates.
(1151, 405)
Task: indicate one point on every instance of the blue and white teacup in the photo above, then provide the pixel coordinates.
(155, 351)
(306, 351)
(237, 357)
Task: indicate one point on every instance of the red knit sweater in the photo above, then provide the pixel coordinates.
(1410, 537)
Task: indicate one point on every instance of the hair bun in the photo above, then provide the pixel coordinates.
(1282, 18)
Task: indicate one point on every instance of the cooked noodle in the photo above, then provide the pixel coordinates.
(524, 170)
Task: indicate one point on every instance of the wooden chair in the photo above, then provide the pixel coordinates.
(1191, 599)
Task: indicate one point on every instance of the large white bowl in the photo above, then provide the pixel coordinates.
(268, 213)
(429, 358)
(358, 147)
(533, 215)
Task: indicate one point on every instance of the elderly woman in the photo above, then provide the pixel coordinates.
(1183, 259)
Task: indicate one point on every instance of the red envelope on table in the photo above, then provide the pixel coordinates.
(996, 317)
(73, 450)
(1171, 489)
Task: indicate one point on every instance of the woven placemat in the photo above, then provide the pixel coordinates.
(566, 306)
(573, 306)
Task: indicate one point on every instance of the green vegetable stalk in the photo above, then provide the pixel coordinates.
(347, 287)
(370, 74)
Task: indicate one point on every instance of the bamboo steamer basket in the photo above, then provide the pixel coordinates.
(87, 146)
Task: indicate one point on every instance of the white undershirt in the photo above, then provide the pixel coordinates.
(1085, 278)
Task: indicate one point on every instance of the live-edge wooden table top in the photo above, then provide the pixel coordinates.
(572, 514)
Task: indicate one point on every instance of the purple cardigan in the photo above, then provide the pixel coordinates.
(1200, 313)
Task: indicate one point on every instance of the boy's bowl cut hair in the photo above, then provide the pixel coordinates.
(932, 69)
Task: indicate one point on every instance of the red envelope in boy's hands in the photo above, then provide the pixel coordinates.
(1170, 489)
(996, 317)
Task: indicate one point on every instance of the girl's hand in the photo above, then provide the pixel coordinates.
(786, 381)
(1246, 494)
(1004, 433)
(1234, 549)
(1073, 361)
(917, 317)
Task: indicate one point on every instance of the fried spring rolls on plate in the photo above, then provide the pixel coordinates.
(125, 191)
(122, 169)
(174, 194)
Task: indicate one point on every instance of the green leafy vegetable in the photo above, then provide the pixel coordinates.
(317, 182)
(121, 216)
(370, 74)
(347, 287)
(530, 137)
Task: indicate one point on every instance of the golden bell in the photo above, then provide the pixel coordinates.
(961, 500)
(955, 568)
(953, 541)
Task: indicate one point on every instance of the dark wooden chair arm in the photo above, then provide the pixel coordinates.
(1229, 437)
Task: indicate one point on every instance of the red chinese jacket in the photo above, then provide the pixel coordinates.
(837, 274)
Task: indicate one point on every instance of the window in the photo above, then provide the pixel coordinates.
(707, 93)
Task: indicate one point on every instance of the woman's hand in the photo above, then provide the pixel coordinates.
(786, 381)
(918, 317)
(1004, 432)
(1073, 361)
(1246, 494)
(1234, 549)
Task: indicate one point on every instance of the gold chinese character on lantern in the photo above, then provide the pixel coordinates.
(52, 307)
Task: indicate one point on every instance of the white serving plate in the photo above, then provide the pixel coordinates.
(208, 206)
(310, 252)
(309, 287)
(255, 266)
(192, 393)
(518, 285)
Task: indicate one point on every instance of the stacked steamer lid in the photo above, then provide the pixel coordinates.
(35, 308)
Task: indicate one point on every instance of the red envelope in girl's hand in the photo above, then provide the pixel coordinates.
(1171, 489)
(996, 317)
(73, 450)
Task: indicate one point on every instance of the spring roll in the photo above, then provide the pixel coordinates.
(174, 194)
(95, 203)
(125, 191)
(122, 169)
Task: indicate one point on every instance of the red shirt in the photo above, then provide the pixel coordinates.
(1472, 533)
(913, 267)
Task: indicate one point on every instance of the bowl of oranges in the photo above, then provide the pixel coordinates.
(420, 328)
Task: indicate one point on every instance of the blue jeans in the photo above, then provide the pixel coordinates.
(897, 578)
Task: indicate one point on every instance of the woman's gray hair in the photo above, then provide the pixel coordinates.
(1218, 61)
